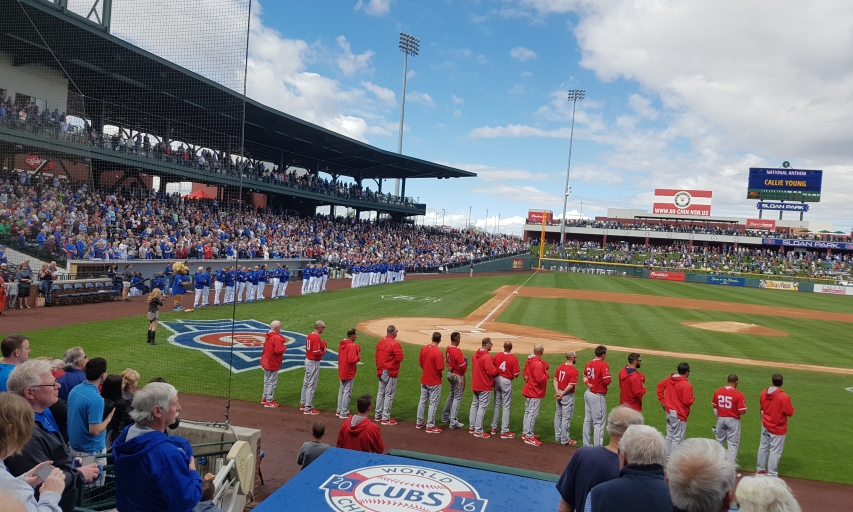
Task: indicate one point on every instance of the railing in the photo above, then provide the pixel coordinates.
(224, 168)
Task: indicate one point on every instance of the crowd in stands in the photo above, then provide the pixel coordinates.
(697, 227)
(105, 224)
(185, 155)
(817, 264)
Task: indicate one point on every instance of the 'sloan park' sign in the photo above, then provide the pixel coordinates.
(216, 339)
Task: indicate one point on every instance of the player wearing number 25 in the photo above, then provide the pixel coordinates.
(729, 405)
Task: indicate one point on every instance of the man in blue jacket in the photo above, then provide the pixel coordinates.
(154, 471)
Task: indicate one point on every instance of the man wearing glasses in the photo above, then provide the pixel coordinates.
(34, 381)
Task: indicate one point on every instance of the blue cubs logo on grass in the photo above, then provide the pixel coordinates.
(392, 487)
(215, 338)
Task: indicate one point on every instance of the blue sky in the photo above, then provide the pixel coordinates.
(679, 94)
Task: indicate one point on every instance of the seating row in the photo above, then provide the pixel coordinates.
(82, 292)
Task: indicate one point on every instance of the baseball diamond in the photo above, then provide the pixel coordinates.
(558, 310)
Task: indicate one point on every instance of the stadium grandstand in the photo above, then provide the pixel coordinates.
(95, 133)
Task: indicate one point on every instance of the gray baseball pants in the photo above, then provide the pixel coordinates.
(270, 382)
(503, 399)
(728, 430)
(454, 399)
(344, 396)
(309, 383)
(563, 417)
(675, 430)
(769, 452)
(433, 394)
(385, 396)
(595, 413)
(478, 410)
(531, 412)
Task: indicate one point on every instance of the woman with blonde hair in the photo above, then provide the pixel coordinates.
(155, 300)
(129, 381)
(16, 427)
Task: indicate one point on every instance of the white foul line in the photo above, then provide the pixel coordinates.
(506, 299)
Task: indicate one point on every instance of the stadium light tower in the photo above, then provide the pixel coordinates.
(575, 95)
(409, 45)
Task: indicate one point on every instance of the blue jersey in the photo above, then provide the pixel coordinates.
(229, 278)
(177, 287)
(208, 279)
(220, 276)
(199, 280)
(254, 276)
(325, 271)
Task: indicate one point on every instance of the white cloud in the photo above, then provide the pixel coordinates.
(457, 100)
(385, 95)
(481, 59)
(642, 106)
(587, 173)
(525, 194)
(521, 53)
(374, 7)
(349, 62)
(420, 98)
(517, 130)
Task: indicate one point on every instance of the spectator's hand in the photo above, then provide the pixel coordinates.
(89, 472)
(55, 482)
(30, 477)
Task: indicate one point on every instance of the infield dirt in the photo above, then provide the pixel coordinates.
(478, 324)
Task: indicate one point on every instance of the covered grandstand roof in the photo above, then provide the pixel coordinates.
(112, 70)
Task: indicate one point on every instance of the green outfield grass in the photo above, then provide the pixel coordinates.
(809, 452)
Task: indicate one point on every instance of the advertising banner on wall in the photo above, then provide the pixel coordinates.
(727, 281)
(667, 276)
(769, 225)
(535, 216)
(785, 207)
(779, 285)
(518, 263)
(833, 289)
(682, 202)
(811, 244)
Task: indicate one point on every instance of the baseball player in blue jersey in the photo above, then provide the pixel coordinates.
(252, 287)
(218, 285)
(263, 277)
(198, 282)
(306, 279)
(276, 280)
(169, 274)
(242, 282)
(285, 280)
(230, 281)
(325, 276)
(205, 292)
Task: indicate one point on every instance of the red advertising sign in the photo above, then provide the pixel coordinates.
(33, 161)
(518, 263)
(682, 202)
(667, 276)
(769, 225)
(535, 216)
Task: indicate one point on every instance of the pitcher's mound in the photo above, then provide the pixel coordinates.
(736, 327)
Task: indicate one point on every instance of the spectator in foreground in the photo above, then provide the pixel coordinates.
(15, 349)
(11, 503)
(358, 432)
(75, 361)
(155, 471)
(16, 427)
(87, 421)
(129, 381)
(592, 465)
(641, 485)
(208, 491)
(312, 449)
(762, 494)
(701, 477)
(34, 382)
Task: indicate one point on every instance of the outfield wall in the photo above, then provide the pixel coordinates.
(520, 262)
(769, 282)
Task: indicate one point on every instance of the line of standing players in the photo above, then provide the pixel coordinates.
(239, 284)
(493, 376)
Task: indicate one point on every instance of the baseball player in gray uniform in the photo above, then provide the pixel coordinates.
(565, 382)
(508, 369)
(729, 405)
(457, 366)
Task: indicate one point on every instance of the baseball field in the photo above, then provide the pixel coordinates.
(718, 330)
